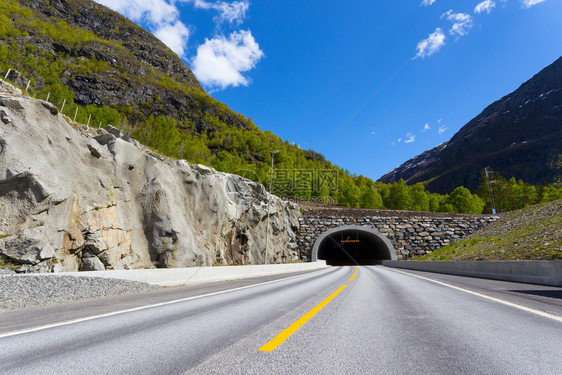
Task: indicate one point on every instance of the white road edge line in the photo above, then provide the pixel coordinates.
(74, 321)
(498, 300)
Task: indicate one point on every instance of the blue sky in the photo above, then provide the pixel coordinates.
(369, 85)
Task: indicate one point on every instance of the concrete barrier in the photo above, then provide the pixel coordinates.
(199, 275)
(544, 272)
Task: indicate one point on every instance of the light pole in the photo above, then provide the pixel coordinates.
(268, 202)
(490, 189)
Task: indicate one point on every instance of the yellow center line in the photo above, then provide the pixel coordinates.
(284, 335)
(355, 274)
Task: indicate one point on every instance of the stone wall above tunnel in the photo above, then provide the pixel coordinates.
(410, 236)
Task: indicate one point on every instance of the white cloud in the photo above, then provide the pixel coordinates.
(161, 18)
(228, 12)
(399, 140)
(427, 3)
(442, 129)
(426, 127)
(410, 138)
(373, 133)
(151, 11)
(174, 36)
(432, 44)
(530, 3)
(485, 6)
(462, 22)
(221, 61)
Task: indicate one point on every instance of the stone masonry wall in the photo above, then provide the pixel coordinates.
(411, 236)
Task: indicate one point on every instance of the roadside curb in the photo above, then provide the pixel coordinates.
(197, 275)
(543, 272)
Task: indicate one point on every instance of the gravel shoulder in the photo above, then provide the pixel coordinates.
(26, 291)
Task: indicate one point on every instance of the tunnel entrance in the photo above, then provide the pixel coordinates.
(352, 244)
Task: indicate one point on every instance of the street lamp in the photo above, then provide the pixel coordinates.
(490, 189)
(268, 203)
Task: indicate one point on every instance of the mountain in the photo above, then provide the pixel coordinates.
(518, 136)
(102, 58)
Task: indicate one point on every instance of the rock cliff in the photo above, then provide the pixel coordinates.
(74, 198)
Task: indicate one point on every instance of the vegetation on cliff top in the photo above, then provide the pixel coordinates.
(75, 65)
(532, 233)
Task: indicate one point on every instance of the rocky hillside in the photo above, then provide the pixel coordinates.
(81, 199)
(102, 58)
(518, 136)
(532, 233)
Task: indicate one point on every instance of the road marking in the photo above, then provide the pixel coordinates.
(544, 314)
(355, 274)
(80, 320)
(284, 335)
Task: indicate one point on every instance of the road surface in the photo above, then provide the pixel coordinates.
(341, 320)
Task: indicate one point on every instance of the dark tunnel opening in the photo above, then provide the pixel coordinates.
(353, 245)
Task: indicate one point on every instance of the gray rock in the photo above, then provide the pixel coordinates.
(5, 87)
(16, 77)
(94, 151)
(51, 107)
(117, 133)
(91, 264)
(12, 103)
(67, 207)
(4, 117)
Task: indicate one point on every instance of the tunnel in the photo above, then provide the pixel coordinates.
(352, 244)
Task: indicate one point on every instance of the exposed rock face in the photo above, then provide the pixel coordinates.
(79, 199)
(519, 136)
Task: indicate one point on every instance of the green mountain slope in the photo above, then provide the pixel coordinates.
(529, 234)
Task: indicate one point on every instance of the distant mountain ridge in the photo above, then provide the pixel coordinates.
(518, 136)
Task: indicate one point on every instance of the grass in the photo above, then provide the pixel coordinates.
(5, 262)
(296, 261)
(533, 233)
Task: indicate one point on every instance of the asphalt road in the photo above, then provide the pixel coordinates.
(383, 321)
